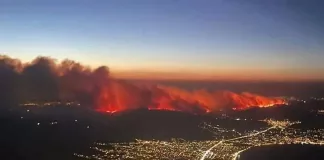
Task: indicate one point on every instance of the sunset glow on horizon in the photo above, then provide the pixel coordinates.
(186, 40)
(160, 72)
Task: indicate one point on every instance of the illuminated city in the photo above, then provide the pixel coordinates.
(277, 133)
(50, 104)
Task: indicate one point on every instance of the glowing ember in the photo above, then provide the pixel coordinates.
(163, 109)
(111, 111)
(107, 111)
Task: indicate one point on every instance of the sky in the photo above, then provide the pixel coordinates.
(172, 39)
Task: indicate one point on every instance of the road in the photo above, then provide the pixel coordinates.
(232, 139)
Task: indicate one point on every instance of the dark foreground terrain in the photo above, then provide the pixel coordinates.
(284, 152)
(58, 132)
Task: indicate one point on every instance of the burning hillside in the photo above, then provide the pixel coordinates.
(175, 99)
(44, 80)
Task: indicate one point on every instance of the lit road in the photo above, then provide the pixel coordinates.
(232, 139)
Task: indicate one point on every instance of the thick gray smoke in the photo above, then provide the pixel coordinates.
(44, 79)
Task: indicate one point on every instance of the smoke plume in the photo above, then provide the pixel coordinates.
(45, 79)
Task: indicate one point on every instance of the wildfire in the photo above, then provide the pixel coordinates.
(71, 81)
(119, 97)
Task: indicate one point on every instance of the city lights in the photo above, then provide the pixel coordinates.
(277, 133)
